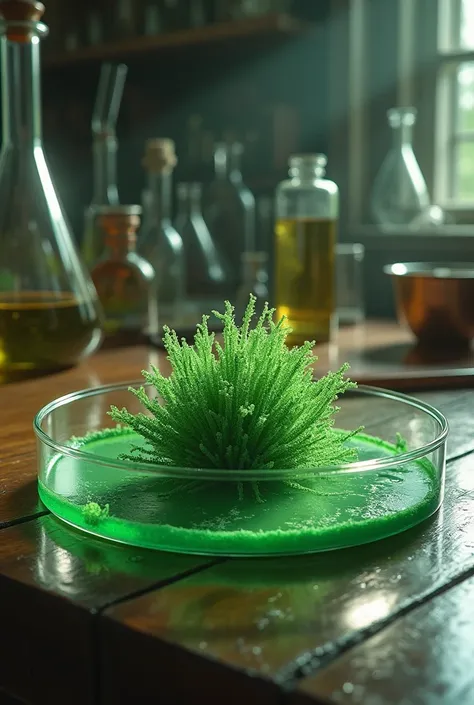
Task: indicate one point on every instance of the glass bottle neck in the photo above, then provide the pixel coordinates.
(195, 203)
(189, 204)
(402, 135)
(221, 164)
(119, 246)
(21, 93)
(227, 166)
(159, 185)
(307, 173)
(105, 170)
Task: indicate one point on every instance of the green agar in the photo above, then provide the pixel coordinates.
(211, 519)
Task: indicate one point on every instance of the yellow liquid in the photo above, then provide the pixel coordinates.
(41, 331)
(305, 278)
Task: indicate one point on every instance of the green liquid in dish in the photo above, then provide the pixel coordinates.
(209, 517)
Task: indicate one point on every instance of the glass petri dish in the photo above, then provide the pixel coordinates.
(397, 482)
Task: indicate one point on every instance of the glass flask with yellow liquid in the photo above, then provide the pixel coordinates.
(307, 207)
(49, 316)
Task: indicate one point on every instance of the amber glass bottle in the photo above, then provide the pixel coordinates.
(125, 282)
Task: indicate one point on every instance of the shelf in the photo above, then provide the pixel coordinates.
(268, 25)
(398, 243)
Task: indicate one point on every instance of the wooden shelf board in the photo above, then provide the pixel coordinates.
(276, 24)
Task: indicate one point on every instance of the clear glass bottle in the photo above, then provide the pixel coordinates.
(205, 269)
(125, 282)
(230, 210)
(307, 209)
(400, 195)
(159, 242)
(49, 314)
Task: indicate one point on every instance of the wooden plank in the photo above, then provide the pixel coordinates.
(21, 401)
(277, 618)
(425, 657)
(53, 582)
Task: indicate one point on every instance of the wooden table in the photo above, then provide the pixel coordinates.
(84, 621)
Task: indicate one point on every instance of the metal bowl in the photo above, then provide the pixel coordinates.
(435, 300)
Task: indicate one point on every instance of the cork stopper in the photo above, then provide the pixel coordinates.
(20, 17)
(160, 155)
(119, 221)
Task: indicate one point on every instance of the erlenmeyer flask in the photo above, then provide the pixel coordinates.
(48, 306)
(399, 194)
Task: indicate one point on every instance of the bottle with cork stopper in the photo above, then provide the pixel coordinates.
(49, 313)
(159, 241)
(124, 280)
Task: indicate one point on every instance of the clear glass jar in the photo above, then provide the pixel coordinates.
(125, 282)
(400, 195)
(49, 313)
(307, 208)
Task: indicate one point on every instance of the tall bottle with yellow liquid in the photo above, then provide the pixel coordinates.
(307, 209)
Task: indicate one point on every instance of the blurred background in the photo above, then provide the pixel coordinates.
(279, 76)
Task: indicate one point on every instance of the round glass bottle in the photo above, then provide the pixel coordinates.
(49, 315)
(307, 207)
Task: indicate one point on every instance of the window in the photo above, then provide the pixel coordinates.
(454, 146)
(387, 53)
